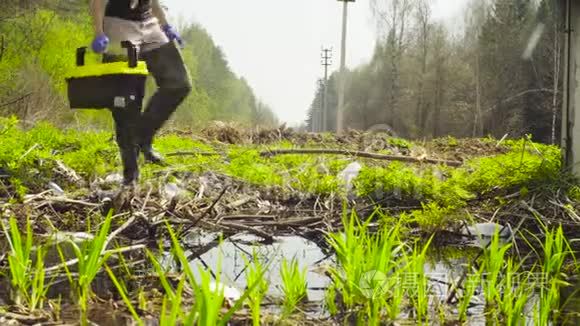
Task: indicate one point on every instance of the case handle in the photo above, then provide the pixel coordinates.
(81, 52)
(132, 53)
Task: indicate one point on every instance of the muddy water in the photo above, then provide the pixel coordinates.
(235, 251)
(444, 266)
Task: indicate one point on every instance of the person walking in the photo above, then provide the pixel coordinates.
(145, 25)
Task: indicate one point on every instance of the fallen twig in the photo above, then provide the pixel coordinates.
(359, 154)
(243, 227)
(118, 231)
(246, 217)
(27, 319)
(294, 222)
(69, 173)
(206, 212)
(193, 154)
(112, 251)
(16, 100)
(68, 201)
(240, 202)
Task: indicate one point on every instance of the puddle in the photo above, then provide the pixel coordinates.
(444, 266)
(235, 251)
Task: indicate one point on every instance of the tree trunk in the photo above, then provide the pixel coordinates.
(557, 60)
(477, 124)
(420, 119)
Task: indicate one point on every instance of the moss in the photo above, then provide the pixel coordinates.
(30, 158)
(432, 217)
(521, 167)
(443, 190)
(400, 143)
(247, 164)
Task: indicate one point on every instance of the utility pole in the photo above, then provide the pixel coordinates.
(342, 79)
(317, 108)
(326, 62)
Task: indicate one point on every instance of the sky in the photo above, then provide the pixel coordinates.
(276, 45)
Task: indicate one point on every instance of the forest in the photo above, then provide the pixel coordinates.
(38, 39)
(498, 72)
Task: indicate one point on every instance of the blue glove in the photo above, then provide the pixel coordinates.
(172, 34)
(100, 43)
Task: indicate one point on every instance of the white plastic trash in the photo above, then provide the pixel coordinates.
(171, 191)
(349, 174)
(485, 231)
(114, 178)
(56, 189)
(231, 294)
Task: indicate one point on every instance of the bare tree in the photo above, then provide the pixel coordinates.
(423, 17)
(392, 18)
(475, 18)
(440, 62)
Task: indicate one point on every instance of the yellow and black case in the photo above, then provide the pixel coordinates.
(107, 85)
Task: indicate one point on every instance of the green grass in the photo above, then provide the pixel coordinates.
(255, 272)
(515, 295)
(91, 257)
(30, 158)
(172, 315)
(172, 312)
(377, 272)
(493, 265)
(472, 282)
(418, 290)
(293, 285)
(555, 251)
(124, 295)
(209, 298)
(27, 279)
(330, 300)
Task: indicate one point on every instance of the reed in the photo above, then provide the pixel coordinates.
(516, 291)
(493, 265)
(209, 296)
(418, 285)
(293, 285)
(255, 271)
(472, 282)
(125, 296)
(91, 257)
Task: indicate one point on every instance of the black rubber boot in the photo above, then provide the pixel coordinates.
(126, 125)
(130, 165)
(151, 155)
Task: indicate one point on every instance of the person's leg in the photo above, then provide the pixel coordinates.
(166, 65)
(127, 119)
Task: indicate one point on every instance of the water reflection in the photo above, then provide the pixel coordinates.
(235, 251)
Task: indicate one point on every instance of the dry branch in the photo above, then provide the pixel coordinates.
(75, 261)
(359, 154)
(21, 98)
(242, 227)
(70, 174)
(193, 154)
(64, 200)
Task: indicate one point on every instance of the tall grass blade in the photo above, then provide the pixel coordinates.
(293, 284)
(123, 292)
